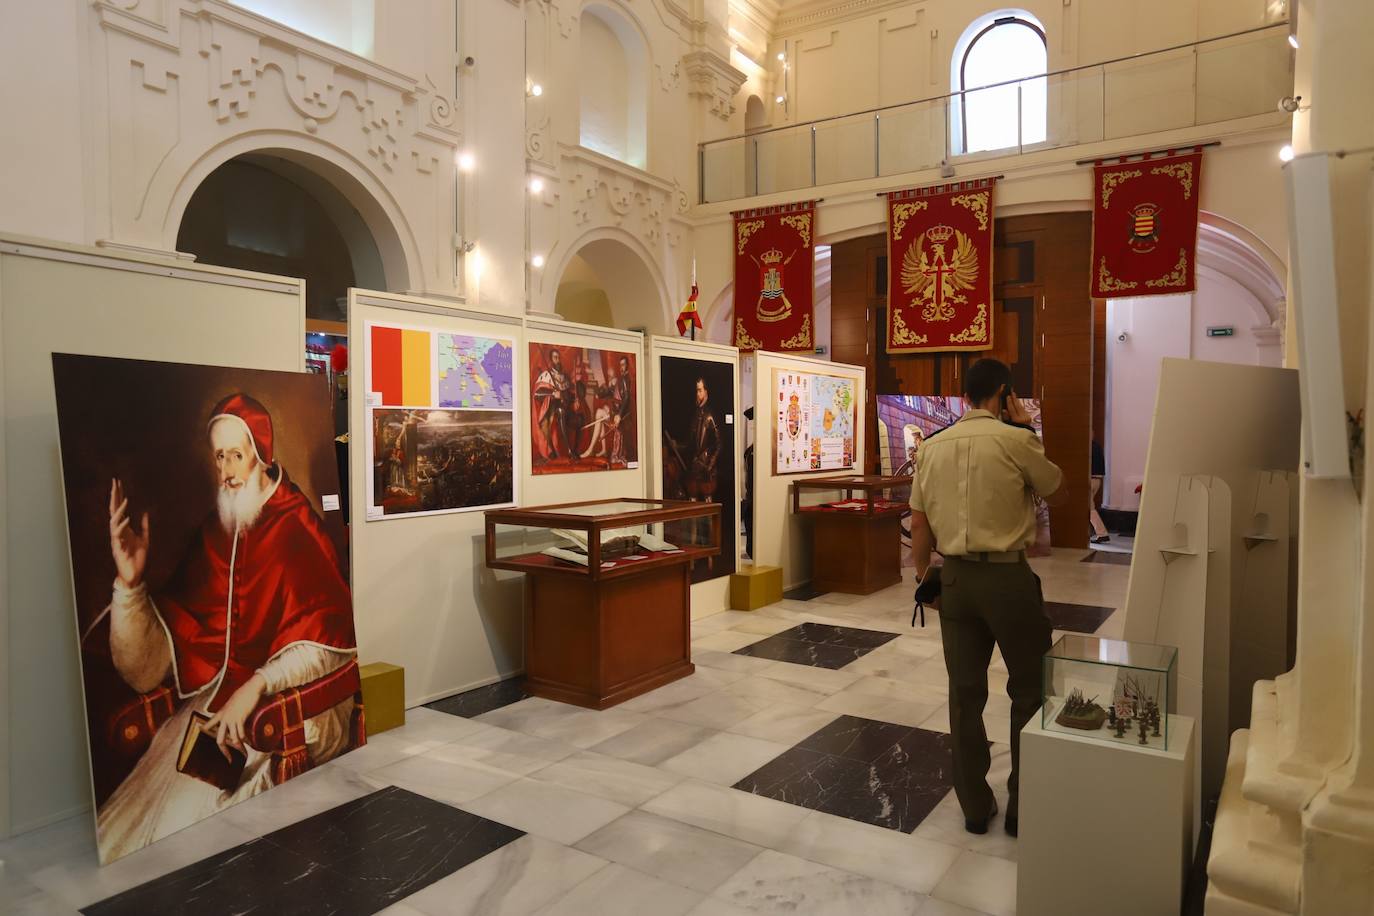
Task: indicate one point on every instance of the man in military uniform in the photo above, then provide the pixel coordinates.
(972, 497)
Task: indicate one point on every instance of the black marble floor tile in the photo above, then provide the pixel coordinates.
(799, 652)
(1077, 618)
(357, 858)
(1108, 556)
(829, 634)
(473, 703)
(859, 739)
(896, 787)
(802, 593)
(819, 645)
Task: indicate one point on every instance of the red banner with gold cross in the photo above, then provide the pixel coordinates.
(775, 278)
(939, 268)
(1145, 216)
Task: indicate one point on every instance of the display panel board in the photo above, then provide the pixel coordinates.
(814, 419)
(441, 421)
(208, 496)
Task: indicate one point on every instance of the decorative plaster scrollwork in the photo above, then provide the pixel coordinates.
(609, 194)
(442, 112)
(712, 78)
(536, 144)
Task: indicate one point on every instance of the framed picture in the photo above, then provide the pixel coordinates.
(814, 419)
(441, 421)
(697, 402)
(584, 410)
(197, 496)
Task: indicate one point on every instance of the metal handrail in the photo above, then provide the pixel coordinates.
(1024, 79)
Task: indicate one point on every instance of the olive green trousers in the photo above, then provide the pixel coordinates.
(983, 604)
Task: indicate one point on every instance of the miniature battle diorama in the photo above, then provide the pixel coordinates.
(1110, 689)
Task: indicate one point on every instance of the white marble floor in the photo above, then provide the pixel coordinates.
(630, 810)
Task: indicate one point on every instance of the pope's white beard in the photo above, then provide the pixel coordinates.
(239, 508)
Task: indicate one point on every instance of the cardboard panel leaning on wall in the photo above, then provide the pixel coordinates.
(714, 594)
(780, 538)
(548, 489)
(422, 595)
(76, 299)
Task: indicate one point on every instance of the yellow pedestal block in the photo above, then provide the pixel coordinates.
(384, 696)
(752, 587)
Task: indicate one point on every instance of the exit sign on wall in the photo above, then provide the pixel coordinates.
(1227, 331)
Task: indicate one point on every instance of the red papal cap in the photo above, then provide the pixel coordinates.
(253, 417)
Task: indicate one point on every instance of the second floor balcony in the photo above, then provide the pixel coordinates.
(1211, 82)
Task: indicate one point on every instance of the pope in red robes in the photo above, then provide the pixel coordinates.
(257, 605)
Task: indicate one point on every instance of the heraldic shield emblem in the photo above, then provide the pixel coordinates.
(773, 304)
(793, 417)
(1144, 227)
(937, 277)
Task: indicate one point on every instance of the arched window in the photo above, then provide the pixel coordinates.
(998, 103)
(614, 79)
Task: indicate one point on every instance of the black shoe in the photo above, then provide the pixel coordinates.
(1101, 538)
(981, 827)
(1012, 824)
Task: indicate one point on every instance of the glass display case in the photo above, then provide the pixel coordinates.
(602, 539)
(858, 495)
(1110, 689)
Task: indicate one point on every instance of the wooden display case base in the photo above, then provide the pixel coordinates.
(597, 643)
(853, 553)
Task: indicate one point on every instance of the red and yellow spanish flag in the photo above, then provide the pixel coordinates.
(401, 370)
(689, 316)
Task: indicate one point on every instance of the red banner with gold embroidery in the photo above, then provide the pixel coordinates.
(939, 268)
(775, 277)
(1145, 225)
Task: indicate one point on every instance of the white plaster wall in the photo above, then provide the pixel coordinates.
(1159, 327)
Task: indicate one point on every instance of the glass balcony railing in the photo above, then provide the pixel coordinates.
(1208, 82)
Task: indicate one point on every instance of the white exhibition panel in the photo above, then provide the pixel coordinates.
(1210, 474)
(74, 299)
(423, 597)
(714, 594)
(780, 538)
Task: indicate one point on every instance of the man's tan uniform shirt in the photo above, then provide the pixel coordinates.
(974, 481)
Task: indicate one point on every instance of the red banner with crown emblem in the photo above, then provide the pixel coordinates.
(939, 268)
(775, 277)
(1145, 216)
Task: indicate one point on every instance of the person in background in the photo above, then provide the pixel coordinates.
(973, 497)
(1099, 472)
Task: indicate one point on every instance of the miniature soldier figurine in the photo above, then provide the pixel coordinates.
(1156, 718)
(1111, 715)
(1121, 726)
(1143, 739)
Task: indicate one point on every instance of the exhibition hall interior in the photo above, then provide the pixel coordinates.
(708, 457)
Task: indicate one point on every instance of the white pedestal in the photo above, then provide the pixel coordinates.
(1106, 827)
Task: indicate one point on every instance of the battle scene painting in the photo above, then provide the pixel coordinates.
(697, 400)
(441, 460)
(583, 410)
(209, 566)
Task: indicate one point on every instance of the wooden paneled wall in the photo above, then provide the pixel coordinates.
(1043, 328)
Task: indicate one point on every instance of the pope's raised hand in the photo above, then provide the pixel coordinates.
(128, 546)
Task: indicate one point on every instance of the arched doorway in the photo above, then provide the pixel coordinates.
(606, 282)
(286, 213)
(268, 214)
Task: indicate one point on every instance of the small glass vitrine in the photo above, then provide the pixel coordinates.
(851, 494)
(1110, 689)
(602, 539)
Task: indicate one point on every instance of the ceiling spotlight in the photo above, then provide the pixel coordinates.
(466, 161)
(1286, 153)
(780, 99)
(537, 260)
(782, 56)
(536, 185)
(536, 90)
(1293, 41)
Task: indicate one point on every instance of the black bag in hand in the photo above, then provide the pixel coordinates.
(927, 591)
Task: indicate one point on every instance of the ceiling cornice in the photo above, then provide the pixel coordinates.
(810, 14)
